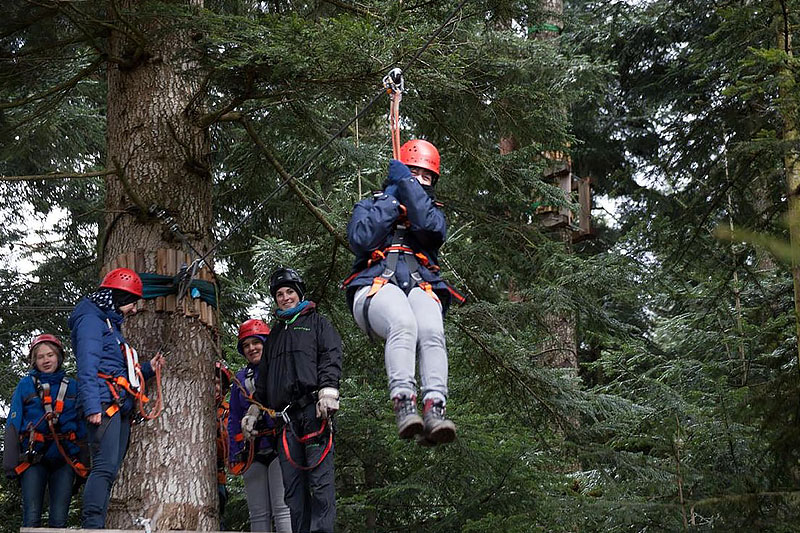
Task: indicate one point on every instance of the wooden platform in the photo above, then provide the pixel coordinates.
(48, 530)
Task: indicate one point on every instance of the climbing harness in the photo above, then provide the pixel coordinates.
(134, 384)
(52, 411)
(288, 427)
(248, 390)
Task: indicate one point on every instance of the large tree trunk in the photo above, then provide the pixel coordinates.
(169, 473)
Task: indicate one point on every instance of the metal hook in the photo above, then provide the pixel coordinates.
(394, 81)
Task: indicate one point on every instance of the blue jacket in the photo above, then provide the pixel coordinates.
(371, 227)
(238, 408)
(96, 338)
(27, 413)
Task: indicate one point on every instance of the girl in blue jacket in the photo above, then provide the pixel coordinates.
(395, 291)
(43, 409)
(106, 382)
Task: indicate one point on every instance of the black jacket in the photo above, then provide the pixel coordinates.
(299, 358)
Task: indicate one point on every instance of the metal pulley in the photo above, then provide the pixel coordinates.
(395, 86)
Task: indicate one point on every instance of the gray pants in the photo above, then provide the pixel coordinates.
(409, 324)
(264, 489)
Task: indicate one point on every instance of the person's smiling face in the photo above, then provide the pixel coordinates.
(46, 358)
(286, 298)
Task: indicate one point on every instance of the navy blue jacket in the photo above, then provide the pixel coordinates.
(96, 338)
(27, 413)
(372, 228)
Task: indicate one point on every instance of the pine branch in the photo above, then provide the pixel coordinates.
(290, 181)
(59, 176)
(66, 85)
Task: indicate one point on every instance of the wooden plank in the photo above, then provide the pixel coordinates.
(201, 305)
(161, 268)
(565, 184)
(172, 266)
(585, 199)
(139, 263)
(57, 530)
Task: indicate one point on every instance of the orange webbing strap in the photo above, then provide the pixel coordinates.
(47, 399)
(241, 467)
(62, 393)
(425, 286)
(20, 468)
(377, 283)
(139, 396)
(303, 440)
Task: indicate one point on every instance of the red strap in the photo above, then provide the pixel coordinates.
(304, 439)
(21, 468)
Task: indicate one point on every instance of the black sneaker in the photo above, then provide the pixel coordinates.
(409, 422)
(438, 429)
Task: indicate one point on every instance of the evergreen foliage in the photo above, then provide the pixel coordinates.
(684, 412)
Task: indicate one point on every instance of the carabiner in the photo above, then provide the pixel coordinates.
(394, 81)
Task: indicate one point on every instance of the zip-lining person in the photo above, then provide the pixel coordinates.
(110, 382)
(395, 291)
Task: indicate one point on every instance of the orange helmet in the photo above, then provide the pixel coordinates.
(52, 339)
(419, 153)
(252, 328)
(124, 279)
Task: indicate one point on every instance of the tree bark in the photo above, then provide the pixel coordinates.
(163, 157)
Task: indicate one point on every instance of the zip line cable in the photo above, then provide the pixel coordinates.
(310, 159)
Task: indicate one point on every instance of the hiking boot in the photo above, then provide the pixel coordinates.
(438, 429)
(409, 422)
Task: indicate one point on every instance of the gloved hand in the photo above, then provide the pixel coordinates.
(249, 421)
(327, 402)
(397, 172)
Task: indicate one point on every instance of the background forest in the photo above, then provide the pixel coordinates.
(674, 403)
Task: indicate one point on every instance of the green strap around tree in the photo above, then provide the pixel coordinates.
(155, 285)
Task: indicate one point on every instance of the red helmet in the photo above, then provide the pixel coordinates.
(124, 279)
(419, 153)
(252, 328)
(52, 339)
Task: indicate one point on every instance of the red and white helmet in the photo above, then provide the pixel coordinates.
(43, 338)
(124, 279)
(252, 328)
(419, 153)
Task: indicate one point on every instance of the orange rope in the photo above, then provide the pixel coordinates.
(394, 122)
(141, 398)
(79, 469)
